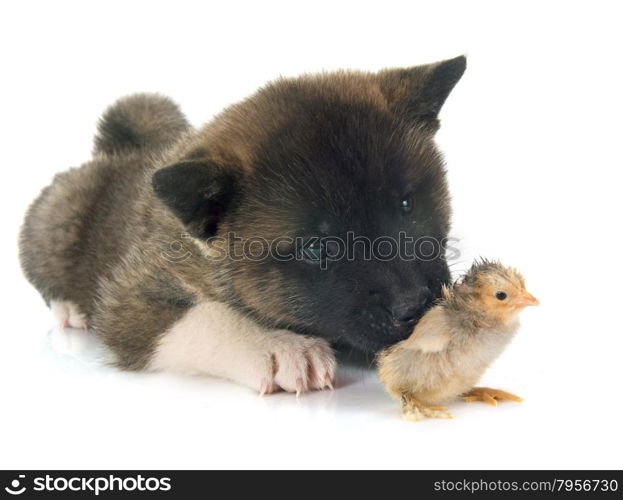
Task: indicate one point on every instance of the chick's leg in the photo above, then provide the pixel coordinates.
(413, 410)
(489, 396)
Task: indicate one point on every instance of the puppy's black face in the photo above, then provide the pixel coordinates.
(337, 226)
(360, 210)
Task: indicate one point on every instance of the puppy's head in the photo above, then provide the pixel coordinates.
(329, 198)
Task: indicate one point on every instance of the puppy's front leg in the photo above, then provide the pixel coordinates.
(213, 339)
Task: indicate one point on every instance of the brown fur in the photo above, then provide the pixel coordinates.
(101, 235)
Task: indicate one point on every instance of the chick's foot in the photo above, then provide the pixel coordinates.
(414, 411)
(489, 396)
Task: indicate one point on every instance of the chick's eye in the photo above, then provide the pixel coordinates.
(500, 295)
(406, 204)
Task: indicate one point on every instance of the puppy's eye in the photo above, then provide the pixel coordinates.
(406, 204)
(312, 251)
(500, 295)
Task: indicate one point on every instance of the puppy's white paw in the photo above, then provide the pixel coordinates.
(213, 339)
(299, 364)
(68, 314)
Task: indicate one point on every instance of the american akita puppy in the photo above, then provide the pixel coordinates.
(154, 243)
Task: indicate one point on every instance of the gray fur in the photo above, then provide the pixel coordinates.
(101, 237)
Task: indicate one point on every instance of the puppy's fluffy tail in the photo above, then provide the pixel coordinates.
(139, 121)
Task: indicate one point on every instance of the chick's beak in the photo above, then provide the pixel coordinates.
(527, 299)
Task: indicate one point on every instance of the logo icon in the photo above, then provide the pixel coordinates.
(14, 489)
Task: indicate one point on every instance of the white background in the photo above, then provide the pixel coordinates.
(532, 137)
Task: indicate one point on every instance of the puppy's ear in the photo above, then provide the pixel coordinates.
(198, 193)
(418, 93)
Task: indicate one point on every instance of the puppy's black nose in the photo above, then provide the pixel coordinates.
(408, 310)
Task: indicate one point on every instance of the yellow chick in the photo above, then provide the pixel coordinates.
(456, 341)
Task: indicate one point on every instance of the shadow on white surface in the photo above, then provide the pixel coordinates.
(69, 408)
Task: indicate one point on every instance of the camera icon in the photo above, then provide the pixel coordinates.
(14, 489)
